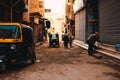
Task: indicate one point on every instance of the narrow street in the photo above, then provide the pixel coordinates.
(65, 64)
(25, 23)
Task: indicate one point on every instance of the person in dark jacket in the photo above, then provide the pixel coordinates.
(91, 42)
(66, 40)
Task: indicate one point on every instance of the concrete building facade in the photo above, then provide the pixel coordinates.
(11, 10)
(69, 17)
(97, 15)
(80, 19)
(36, 15)
(23, 11)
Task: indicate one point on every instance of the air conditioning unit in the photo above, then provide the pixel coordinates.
(26, 6)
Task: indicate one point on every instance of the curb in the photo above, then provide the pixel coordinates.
(39, 43)
(105, 51)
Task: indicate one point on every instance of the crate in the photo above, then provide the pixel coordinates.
(117, 47)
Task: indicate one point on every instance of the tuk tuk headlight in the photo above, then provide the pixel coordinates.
(13, 46)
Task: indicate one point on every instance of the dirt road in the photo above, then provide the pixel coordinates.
(65, 64)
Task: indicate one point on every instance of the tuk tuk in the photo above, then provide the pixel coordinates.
(16, 44)
(54, 40)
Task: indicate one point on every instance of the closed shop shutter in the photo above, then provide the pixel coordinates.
(80, 25)
(109, 21)
(77, 27)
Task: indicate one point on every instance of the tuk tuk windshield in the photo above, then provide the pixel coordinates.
(9, 31)
(54, 36)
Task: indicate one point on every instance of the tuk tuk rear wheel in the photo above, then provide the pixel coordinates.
(33, 58)
(3, 67)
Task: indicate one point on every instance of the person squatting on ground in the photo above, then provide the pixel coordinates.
(91, 42)
(66, 40)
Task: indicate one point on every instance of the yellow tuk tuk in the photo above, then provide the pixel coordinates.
(16, 44)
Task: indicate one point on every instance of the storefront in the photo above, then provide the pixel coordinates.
(91, 17)
(80, 20)
(109, 21)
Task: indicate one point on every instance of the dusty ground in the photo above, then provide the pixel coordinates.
(65, 64)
